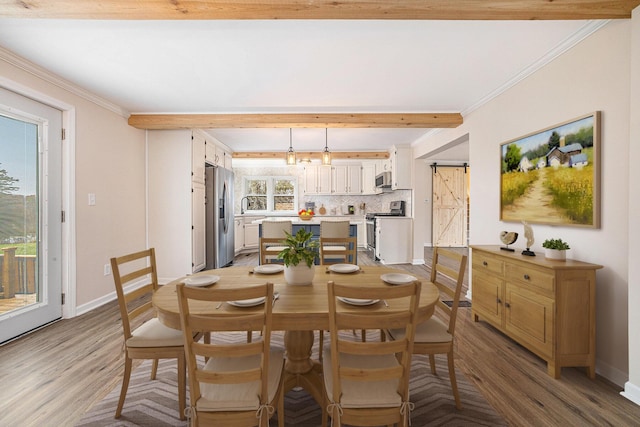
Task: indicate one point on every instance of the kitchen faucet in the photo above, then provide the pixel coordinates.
(242, 206)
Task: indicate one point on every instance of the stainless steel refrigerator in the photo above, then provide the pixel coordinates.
(219, 211)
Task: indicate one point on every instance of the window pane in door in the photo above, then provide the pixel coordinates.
(19, 285)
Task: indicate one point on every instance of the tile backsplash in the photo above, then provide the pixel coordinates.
(373, 203)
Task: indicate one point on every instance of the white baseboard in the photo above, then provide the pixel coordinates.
(631, 392)
(614, 375)
(418, 261)
(98, 302)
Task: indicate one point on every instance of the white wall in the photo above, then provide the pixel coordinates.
(109, 162)
(632, 387)
(594, 75)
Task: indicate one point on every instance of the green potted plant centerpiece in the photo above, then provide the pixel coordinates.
(555, 249)
(298, 256)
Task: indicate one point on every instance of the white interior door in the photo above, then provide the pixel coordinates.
(30, 214)
(449, 206)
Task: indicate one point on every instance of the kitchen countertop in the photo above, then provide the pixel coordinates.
(317, 215)
(316, 220)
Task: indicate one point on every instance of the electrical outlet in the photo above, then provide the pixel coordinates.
(107, 269)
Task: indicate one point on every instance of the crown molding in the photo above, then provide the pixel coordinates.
(587, 29)
(48, 76)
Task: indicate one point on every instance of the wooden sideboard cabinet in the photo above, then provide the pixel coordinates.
(547, 306)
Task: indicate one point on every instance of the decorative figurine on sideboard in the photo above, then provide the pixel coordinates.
(508, 237)
(528, 234)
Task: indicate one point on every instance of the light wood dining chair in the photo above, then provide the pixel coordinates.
(332, 230)
(273, 233)
(435, 336)
(334, 250)
(152, 339)
(241, 384)
(367, 383)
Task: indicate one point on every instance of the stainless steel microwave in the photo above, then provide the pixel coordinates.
(383, 180)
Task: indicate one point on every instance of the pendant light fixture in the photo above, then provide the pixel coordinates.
(326, 154)
(291, 155)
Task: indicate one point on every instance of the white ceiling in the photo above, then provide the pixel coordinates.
(293, 66)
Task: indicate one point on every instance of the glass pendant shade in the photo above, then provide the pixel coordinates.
(326, 154)
(291, 155)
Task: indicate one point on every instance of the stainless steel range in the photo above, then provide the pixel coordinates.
(397, 208)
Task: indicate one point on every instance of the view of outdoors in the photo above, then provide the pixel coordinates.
(274, 194)
(18, 214)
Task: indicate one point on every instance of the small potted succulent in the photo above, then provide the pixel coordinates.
(555, 249)
(298, 257)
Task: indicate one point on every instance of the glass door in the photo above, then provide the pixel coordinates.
(30, 215)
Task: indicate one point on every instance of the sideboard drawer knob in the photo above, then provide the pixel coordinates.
(526, 277)
(485, 263)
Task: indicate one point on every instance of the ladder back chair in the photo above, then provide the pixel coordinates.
(435, 336)
(367, 383)
(152, 339)
(273, 233)
(333, 230)
(334, 250)
(241, 383)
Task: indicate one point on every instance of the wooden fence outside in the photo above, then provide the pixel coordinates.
(18, 273)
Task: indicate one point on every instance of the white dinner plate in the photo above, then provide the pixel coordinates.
(358, 301)
(268, 269)
(202, 280)
(344, 268)
(252, 302)
(398, 278)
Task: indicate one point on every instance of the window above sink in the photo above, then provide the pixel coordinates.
(266, 195)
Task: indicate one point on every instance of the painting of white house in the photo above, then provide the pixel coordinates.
(552, 176)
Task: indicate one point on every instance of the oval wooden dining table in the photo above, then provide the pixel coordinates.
(299, 311)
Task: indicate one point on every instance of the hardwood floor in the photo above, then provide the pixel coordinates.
(51, 377)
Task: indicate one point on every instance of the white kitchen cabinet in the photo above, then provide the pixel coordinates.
(369, 176)
(198, 154)
(228, 160)
(238, 229)
(362, 233)
(346, 179)
(251, 238)
(401, 168)
(217, 155)
(246, 236)
(394, 240)
(384, 166)
(198, 230)
(175, 217)
(317, 179)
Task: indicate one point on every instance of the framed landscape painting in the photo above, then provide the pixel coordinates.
(552, 176)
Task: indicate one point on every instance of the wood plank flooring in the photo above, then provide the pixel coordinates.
(51, 377)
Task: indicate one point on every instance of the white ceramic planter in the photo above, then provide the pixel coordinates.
(555, 254)
(299, 274)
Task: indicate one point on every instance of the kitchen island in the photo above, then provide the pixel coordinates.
(312, 225)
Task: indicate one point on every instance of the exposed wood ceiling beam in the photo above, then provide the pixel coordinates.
(313, 155)
(322, 120)
(319, 9)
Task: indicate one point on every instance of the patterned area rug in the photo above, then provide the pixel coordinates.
(155, 403)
